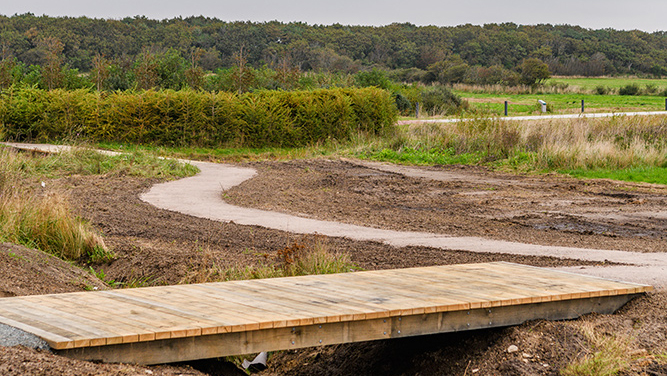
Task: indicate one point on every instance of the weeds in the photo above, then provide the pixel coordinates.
(607, 355)
(312, 257)
(37, 219)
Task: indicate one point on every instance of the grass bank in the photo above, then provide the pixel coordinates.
(36, 216)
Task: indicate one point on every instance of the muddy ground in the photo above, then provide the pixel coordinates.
(156, 247)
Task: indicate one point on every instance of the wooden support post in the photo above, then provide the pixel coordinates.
(582, 105)
(505, 108)
(417, 110)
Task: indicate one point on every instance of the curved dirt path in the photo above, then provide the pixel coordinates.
(201, 196)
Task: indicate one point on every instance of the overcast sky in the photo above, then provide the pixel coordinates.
(647, 15)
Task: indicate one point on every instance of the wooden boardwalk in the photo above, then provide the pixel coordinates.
(185, 322)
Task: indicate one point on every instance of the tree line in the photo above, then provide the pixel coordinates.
(465, 52)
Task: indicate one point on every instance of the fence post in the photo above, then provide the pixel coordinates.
(506, 107)
(582, 105)
(417, 110)
(665, 104)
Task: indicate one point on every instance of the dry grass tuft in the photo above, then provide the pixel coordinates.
(34, 217)
(300, 258)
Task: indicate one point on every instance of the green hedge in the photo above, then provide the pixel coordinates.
(187, 117)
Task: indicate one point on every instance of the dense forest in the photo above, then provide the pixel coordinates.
(213, 44)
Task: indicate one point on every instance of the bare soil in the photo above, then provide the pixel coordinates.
(156, 247)
(547, 210)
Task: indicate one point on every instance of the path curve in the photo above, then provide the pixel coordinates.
(201, 196)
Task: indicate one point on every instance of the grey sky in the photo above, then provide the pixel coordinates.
(647, 15)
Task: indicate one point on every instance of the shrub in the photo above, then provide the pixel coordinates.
(187, 117)
(438, 100)
(630, 89)
(601, 90)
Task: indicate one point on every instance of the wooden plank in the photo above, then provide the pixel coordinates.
(55, 341)
(470, 288)
(132, 323)
(201, 319)
(57, 322)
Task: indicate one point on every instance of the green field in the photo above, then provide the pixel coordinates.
(590, 83)
(527, 104)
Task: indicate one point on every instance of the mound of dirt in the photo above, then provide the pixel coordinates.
(22, 361)
(542, 348)
(26, 271)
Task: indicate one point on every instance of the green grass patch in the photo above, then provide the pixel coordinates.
(590, 83)
(83, 161)
(655, 175)
(527, 104)
(219, 154)
(422, 157)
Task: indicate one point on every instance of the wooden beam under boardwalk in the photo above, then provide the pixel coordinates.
(186, 322)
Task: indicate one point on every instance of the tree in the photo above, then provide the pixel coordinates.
(194, 75)
(53, 61)
(243, 77)
(146, 70)
(534, 71)
(100, 72)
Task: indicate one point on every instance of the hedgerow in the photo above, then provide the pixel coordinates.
(188, 117)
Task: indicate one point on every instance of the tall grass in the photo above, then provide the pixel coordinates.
(300, 258)
(567, 144)
(33, 218)
(34, 215)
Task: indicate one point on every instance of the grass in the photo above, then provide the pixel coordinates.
(216, 154)
(622, 148)
(37, 219)
(527, 104)
(655, 175)
(606, 354)
(590, 83)
(36, 216)
(84, 161)
(312, 257)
